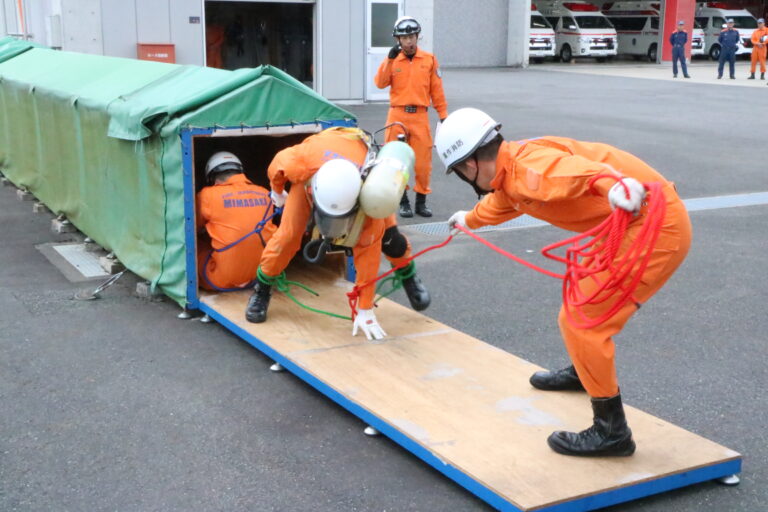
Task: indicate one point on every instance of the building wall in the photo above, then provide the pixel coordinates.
(471, 32)
(342, 25)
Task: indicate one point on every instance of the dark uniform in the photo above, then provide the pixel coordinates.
(729, 40)
(678, 39)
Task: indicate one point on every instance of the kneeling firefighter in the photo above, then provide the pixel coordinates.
(324, 176)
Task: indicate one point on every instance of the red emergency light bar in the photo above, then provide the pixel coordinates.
(533, 7)
(721, 5)
(571, 6)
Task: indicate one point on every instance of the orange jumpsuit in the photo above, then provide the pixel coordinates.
(297, 164)
(548, 178)
(228, 211)
(759, 49)
(214, 45)
(414, 82)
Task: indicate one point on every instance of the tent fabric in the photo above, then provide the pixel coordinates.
(99, 140)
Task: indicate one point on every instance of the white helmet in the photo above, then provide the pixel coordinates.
(406, 25)
(462, 132)
(335, 191)
(221, 162)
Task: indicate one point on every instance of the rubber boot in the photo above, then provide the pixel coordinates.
(751, 77)
(256, 312)
(417, 293)
(560, 380)
(405, 206)
(762, 76)
(609, 434)
(421, 206)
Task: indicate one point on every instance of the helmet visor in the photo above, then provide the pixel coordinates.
(226, 166)
(406, 27)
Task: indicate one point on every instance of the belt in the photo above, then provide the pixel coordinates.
(411, 109)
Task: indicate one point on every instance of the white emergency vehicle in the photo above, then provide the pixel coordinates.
(541, 36)
(581, 30)
(698, 40)
(637, 27)
(712, 15)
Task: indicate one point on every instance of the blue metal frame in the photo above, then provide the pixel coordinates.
(604, 499)
(190, 229)
(600, 500)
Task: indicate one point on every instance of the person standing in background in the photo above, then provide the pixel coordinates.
(678, 40)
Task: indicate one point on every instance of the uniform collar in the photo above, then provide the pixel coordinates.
(419, 54)
(237, 179)
(504, 160)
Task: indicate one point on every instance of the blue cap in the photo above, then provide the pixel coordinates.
(729, 20)
(761, 20)
(681, 22)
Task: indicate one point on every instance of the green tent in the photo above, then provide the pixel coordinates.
(117, 145)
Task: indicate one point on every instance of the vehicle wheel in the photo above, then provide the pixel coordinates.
(600, 59)
(714, 52)
(565, 53)
(652, 50)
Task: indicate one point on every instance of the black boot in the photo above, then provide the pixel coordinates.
(421, 206)
(751, 77)
(417, 293)
(405, 206)
(762, 76)
(256, 312)
(560, 380)
(609, 434)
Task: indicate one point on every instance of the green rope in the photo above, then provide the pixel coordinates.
(284, 285)
(395, 281)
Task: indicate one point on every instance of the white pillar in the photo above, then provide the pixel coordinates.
(517, 33)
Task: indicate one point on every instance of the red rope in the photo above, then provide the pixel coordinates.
(594, 251)
(354, 295)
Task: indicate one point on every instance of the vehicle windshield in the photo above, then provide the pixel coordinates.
(593, 22)
(539, 22)
(744, 22)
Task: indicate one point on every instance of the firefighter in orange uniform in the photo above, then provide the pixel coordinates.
(215, 37)
(321, 182)
(228, 211)
(414, 79)
(759, 41)
(548, 178)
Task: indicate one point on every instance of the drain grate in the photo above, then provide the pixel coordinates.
(525, 221)
(87, 263)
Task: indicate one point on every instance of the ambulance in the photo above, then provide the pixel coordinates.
(541, 36)
(637, 27)
(698, 38)
(712, 15)
(581, 30)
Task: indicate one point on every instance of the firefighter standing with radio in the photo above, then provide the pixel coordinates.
(414, 79)
(759, 40)
(324, 175)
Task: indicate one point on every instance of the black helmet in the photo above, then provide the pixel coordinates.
(405, 26)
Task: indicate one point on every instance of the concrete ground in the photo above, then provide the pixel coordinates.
(116, 404)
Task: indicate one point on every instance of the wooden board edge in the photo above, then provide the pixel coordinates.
(463, 479)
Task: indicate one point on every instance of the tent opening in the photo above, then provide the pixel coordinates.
(251, 34)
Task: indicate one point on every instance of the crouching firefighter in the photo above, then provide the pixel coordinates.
(236, 216)
(551, 178)
(324, 172)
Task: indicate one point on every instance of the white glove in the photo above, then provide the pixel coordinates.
(278, 199)
(366, 320)
(457, 219)
(617, 196)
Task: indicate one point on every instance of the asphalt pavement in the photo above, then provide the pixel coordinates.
(116, 404)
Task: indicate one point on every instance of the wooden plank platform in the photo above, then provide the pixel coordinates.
(465, 407)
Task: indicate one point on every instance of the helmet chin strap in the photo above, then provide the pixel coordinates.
(480, 192)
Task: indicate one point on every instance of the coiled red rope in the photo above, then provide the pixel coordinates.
(587, 255)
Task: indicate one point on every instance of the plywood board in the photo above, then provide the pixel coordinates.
(465, 406)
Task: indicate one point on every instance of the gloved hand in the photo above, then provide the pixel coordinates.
(617, 196)
(457, 219)
(278, 199)
(366, 320)
(394, 51)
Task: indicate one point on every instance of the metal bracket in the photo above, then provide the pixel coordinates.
(94, 294)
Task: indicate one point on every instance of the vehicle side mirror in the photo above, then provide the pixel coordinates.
(572, 27)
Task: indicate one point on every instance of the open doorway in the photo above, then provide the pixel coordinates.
(250, 34)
